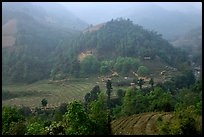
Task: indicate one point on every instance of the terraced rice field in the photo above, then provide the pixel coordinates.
(139, 124)
(55, 92)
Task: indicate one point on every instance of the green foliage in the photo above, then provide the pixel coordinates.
(98, 113)
(143, 71)
(160, 100)
(140, 82)
(136, 101)
(77, 120)
(199, 107)
(92, 95)
(187, 97)
(58, 116)
(120, 93)
(104, 70)
(186, 79)
(151, 82)
(35, 128)
(90, 65)
(56, 128)
(117, 111)
(106, 67)
(126, 64)
(108, 92)
(128, 106)
(63, 108)
(17, 128)
(10, 118)
(44, 102)
(183, 123)
(75, 68)
(197, 87)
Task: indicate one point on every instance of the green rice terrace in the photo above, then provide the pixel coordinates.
(69, 89)
(62, 91)
(139, 124)
(56, 92)
(148, 123)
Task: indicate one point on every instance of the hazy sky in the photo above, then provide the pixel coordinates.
(107, 10)
(167, 5)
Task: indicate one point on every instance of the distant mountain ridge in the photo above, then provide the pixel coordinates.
(29, 15)
(171, 19)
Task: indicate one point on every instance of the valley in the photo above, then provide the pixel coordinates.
(127, 74)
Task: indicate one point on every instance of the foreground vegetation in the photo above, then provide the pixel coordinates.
(144, 109)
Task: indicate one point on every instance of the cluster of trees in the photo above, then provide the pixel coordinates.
(126, 64)
(184, 80)
(91, 65)
(136, 101)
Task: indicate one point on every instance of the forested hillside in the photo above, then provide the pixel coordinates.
(30, 35)
(115, 38)
(191, 42)
(119, 37)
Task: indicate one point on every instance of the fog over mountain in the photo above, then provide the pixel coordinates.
(101, 68)
(168, 18)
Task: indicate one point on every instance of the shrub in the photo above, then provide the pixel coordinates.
(143, 71)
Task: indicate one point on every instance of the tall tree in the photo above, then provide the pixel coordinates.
(140, 82)
(98, 113)
(44, 102)
(109, 89)
(151, 82)
(77, 120)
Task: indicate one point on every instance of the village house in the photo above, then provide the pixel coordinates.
(147, 57)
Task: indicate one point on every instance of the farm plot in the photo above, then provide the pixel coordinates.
(55, 93)
(140, 124)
